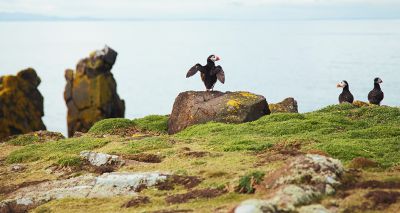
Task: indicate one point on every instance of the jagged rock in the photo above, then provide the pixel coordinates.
(88, 186)
(288, 105)
(101, 159)
(200, 107)
(300, 182)
(21, 104)
(91, 92)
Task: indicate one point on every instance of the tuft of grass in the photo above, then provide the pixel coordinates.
(56, 150)
(247, 182)
(23, 140)
(108, 126)
(69, 161)
(156, 123)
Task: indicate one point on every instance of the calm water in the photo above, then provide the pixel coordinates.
(303, 59)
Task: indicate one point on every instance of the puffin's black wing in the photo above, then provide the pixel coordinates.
(219, 72)
(194, 70)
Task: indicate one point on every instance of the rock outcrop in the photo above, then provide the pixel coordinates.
(289, 105)
(91, 92)
(86, 186)
(21, 104)
(301, 182)
(200, 107)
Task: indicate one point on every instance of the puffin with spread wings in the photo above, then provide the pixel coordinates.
(209, 73)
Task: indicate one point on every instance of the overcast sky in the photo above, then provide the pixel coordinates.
(230, 9)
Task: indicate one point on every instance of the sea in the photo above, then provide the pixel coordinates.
(304, 59)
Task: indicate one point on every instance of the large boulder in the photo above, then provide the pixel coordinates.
(21, 104)
(288, 105)
(200, 107)
(91, 92)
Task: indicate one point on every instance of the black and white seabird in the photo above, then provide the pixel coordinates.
(376, 95)
(209, 73)
(346, 95)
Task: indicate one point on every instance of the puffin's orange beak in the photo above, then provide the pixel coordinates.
(338, 85)
(217, 58)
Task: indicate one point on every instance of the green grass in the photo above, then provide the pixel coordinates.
(143, 145)
(23, 140)
(247, 182)
(156, 123)
(68, 161)
(107, 126)
(343, 131)
(56, 151)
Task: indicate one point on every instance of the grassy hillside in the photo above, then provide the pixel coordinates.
(221, 155)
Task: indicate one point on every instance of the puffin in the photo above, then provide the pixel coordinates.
(376, 95)
(346, 95)
(209, 73)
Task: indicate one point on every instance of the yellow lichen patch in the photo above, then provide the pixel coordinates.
(248, 95)
(233, 103)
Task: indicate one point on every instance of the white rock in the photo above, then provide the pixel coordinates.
(101, 159)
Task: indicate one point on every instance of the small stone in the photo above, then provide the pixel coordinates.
(101, 159)
(329, 190)
(17, 168)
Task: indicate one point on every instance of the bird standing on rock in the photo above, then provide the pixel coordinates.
(209, 73)
(376, 95)
(346, 95)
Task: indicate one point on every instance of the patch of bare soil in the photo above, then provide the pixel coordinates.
(64, 172)
(279, 152)
(143, 157)
(137, 201)
(8, 189)
(372, 184)
(382, 199)
(378, 200)
(194, 194)
(186, 181)
(196, 154)
(361, 163)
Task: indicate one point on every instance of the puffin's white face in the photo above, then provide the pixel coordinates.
(341, 84)
(215, 58)
(379, 81)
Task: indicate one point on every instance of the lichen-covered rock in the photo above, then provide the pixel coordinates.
(87, 186)
(300, 182)
(200, 107)
(21, 104)
(91, 92)
(358, 103)
(102, 159)
(288, 105)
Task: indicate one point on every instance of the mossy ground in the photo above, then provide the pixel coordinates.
(230, 153)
